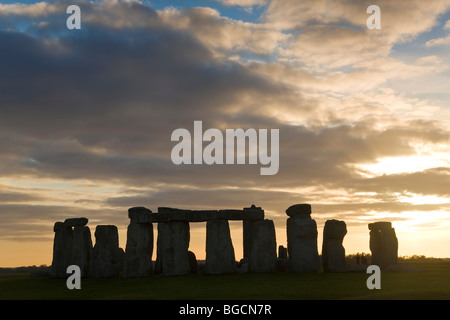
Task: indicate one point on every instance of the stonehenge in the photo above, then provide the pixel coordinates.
(73, 245)
(172, 248)
(383, 244)
(263, 246)
(107, 257)
(219, 248)
(333, 252)
(302, 239)
(138, 250)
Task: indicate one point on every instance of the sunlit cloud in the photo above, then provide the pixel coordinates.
(395, 165)
(364, 123)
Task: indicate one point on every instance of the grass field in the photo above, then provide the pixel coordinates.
(434, 284)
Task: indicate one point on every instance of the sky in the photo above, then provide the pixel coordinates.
(86, 116)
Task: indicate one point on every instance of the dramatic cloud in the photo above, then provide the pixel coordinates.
(87, 115)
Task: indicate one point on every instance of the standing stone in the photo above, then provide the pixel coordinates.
(302, 240)
(263, 247)
(172, 248)
(219, 248)
(139, 250)
(82, 248)
(193, 265)
(107, 257)
(333, 252)
(76, 222)
(302, 210)
(383, 244)
(62, 249)
(282, 260)
(246, 226)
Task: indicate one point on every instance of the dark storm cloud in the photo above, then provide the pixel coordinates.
(122, 90)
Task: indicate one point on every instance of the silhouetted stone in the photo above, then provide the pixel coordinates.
(282, 265)
(82, 249)
(107, 257)
(62, 249)
(193, 265)
(282, 260)
(242, 265)
(380, 225)
(383, 244)
(249, 213)
(165, 214)
(299, 210)
(139, 250)
(76, 222)
(333, 252)
(282, 252)
(219, 248)
(263, 254)
(172, 248)
(302, 244)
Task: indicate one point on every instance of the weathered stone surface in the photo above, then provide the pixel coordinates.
(172, 248)
(107, 257)
(333, 252)
(139, 250)
(76, 222)
(193, 265)
(263, 254)
(383, 244)
(62, 249)
(299, 210)
(82, 249)
(220, 256)
(302, 245)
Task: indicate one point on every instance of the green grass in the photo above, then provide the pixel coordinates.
(432, 284)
